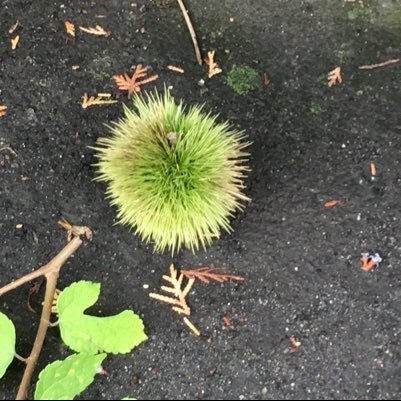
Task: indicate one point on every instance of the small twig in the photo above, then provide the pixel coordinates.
(384, 63)
(191, 31)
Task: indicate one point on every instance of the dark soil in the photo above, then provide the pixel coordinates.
(311, 144)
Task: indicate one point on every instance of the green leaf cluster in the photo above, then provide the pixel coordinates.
(91, 337)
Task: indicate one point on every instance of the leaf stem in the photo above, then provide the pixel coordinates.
(20, 358)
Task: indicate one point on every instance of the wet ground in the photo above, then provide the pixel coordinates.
(311, 144)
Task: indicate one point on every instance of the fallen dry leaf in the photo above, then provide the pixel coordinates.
(333, 202)
(334, 76)
(131, 84)
(14, 42)
(384, 63)
(3, 110)
(295, 344)
(176, 69)
(228, 323)
(207, 274)
(13, 28)
(179, 300)
(94, 100)
(266, 78)
(70, 28)
(214, 68)
(97, 30)
(369, 262)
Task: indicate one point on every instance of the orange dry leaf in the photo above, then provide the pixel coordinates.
(131, 84)
(70, 28)
(214, 68)
(97, 30)
(14, 42)
(95, 100)
(176, 69)
(334, 76)
(333, 202)
(228, 323)
(206, 274)
(179, 294)
(3, 110)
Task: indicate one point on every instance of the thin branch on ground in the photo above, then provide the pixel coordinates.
(51, 272)
(191, 31)
(383, 64)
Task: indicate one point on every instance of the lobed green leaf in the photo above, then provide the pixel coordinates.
(64, 380)
(90, 334)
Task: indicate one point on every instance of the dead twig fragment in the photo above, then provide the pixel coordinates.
(334, 77)
(94, 100)
(3, 110)
(97, 30)
(373, 169)
(75, 231)
(191, 31)
(179, 300)
(383, 64)
(176, 69)
(207, 274)
(192, 327)
(131, 84)
(13, 28)
(214, 68)
(70, 28)
(14, 42)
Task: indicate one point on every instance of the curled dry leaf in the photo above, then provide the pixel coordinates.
(97, 30)
(334, 77)
(3, 110)
(207, 274)
(179, 294)
(14, 42)
(70, 28)
(131, 84)
(214, 68)
(95, 100)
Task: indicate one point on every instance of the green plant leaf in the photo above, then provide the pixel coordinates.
(63, 380)
(90, 334)
(7, 343)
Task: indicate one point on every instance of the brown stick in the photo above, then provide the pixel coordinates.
(51, 272)
(51, 285)
(191, 31)
(384, 63)
(53, 265)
